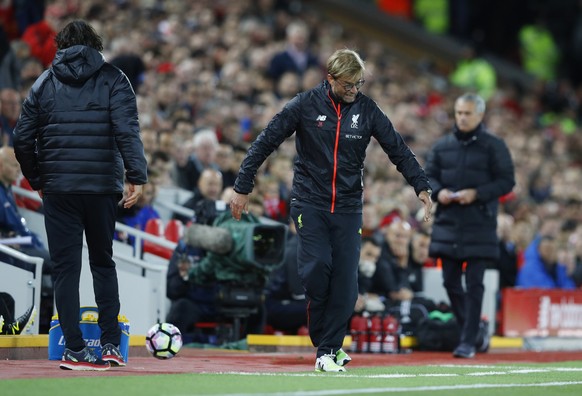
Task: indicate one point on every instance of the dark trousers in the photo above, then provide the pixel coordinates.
(66, 217)
(466, 304)
(328, 253)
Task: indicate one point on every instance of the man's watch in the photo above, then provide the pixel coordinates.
(429, 191)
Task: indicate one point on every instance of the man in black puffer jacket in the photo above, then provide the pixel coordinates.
(469, 170)
(77, 139)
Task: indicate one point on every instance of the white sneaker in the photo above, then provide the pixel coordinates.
(342, 358)
(326, 363)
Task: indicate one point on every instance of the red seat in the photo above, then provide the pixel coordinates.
(26, 203)
(156, 227)
(174, 230)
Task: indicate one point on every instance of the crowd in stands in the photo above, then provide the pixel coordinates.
(209, 74)
(540, 36)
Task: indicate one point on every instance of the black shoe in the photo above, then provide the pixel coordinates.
(483, 338)
(110, 353)
(465, 351)
(85, 359)
(484, 345)
(20, 324)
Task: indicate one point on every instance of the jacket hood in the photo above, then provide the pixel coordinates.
(76, 64)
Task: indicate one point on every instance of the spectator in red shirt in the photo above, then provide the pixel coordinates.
(40, 36)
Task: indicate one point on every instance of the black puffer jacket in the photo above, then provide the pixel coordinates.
(482, 162)
(79, 128)
(331, 143)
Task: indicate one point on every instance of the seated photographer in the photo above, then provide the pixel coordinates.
(201, 298)
(194, 303)
(418, 259)
(369, 254)
(285, 297)
(190, 303)
(391, 276)
(394, 277)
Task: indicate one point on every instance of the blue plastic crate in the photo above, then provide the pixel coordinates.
(91, 334)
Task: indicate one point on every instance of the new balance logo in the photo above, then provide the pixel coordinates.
(321, 118)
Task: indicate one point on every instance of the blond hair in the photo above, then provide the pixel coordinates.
(346, 63)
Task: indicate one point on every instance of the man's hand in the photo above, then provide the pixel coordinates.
(360, 303)
(135, 192)
(466, 196)
(427, 201)
(446, 196)
(462, 197)
(184, 266)
(402, 294)
(238, 204)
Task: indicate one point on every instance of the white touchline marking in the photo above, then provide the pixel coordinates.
(529, 371)
(509, 370)
(401, 375)
(394, 390)
(484, 373)
(480, 366)
(438, 375)
(476, 366)
(388, 376)
(319, 375)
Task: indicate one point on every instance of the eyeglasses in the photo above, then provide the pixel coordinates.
(349, 86)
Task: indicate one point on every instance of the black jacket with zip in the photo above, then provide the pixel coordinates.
(331, 142)
(482, 162)
(78, 132)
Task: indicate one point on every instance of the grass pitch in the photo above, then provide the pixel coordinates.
(547, 379)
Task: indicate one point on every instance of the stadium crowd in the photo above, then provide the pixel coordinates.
(228, 67)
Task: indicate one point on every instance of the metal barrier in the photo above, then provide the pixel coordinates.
(23, 285)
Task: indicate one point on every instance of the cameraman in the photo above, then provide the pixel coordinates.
(190, 303)
(192, 300)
